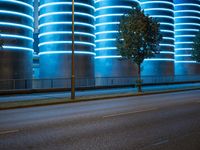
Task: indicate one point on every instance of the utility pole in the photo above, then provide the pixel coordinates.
(72, 57)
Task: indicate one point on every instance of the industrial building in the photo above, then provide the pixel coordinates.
(187, 25)
(37, 38)
(16, 30)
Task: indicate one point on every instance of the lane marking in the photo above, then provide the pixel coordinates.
(160, 142)
(9, 131)
(128, 113)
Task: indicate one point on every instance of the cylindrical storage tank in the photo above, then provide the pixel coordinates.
(107, 18)
(163, 63)
(55, 38)
(187, 25)
(16, 30)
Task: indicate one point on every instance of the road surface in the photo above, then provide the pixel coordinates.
(153, 122)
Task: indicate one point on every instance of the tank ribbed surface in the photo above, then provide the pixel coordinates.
(16, 30)
(55, 35)
(187, 25)
(163, 63)
(107, 15)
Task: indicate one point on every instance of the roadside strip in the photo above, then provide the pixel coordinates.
(54, 101)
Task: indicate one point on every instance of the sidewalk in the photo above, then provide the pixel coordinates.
(25, 100)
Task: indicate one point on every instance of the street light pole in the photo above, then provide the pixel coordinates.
(72, 57)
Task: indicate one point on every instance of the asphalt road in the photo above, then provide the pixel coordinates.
(154, 122)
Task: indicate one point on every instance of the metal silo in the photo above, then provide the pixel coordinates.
(55, 37)
(16, 30)
(187, 25)
(163, 63)
(107, 17)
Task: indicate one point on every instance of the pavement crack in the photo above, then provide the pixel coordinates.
(128, 113)
(8, 132)
(160, 142)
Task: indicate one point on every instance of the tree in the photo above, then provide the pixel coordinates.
(196, 48)
(138, 38)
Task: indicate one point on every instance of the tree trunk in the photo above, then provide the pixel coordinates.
(139, 81)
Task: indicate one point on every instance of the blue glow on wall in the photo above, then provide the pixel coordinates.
(187, 25)
(163, 11)
(16, 30)
(55, 34)
(16, 24)
(96, 27)
(107, 15)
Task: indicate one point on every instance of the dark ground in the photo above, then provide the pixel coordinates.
(153, 122)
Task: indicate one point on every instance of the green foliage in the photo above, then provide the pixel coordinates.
(196, 48)
(139, 36)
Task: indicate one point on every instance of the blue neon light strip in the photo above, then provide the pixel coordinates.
(66, 42)
(170, 31)
(196, 24)
(115, 48)
(190, 17)
(16, 13)
(68, 23)
(187, 4)
(21, 3)
(97, 1)
(183, 42)
(106, 23)
(16, 25)
(117, 56)
(65, 3)
(158, 9)
(105, 48)
(63, 13)
(179, 36)
(104, 40)
(17, 48)
(167, 52)
(193, 11)
(186, 61)
(106, 32)
(108, 15)
(105, 57)
(177, 30)
(66, 32)
(170, 45)
(168, 38)
(183, 55)
(17, 36)
(182, 49)
(164, 23)
(162, 2)
(66, 52)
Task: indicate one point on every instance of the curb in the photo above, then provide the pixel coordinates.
(56, 101)
(30, 91)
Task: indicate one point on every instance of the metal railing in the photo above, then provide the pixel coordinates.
(28, 84)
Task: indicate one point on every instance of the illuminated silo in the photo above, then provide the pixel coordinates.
(107, 18)
(55, 35)
(163, 11)
(16, 30)
(187, 25)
